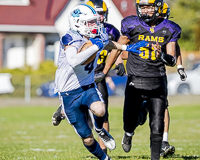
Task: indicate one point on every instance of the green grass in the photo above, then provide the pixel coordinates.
(27, 133)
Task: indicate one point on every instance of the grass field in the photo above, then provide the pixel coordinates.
(26, 132)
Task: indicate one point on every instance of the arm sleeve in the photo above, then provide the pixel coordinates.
(168, 59)
(74, 59)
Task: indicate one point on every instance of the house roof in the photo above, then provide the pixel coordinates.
(40, 15)
(39, 12)
(126, 7)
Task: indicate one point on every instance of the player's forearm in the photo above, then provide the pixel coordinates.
(179, 60)
(111, 60)
(115, 45)
(171, 49)
(180, 69)
(119, 60)
(120, 44)
(116, 50)
(178, 55)
(115, 53)
(169, 58)
(124, 55)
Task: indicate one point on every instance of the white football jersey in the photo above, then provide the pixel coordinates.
(68, 78)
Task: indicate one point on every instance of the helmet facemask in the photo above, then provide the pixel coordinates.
(91, 28)
(154, 8)
(104, 15)
(146, 16)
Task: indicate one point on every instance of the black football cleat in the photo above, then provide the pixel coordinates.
(57, 116)
(126, 142)
(166, 149)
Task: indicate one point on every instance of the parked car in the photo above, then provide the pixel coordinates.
(5, 83)
(47, 89)
(190, 86)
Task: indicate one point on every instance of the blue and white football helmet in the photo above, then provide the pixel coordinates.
(79, 19)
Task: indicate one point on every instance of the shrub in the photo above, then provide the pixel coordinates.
(45, 73)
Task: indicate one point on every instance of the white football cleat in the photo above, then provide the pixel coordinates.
(107, 139)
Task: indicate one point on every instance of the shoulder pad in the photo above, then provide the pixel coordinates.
(174, 25)
(129, 23)
(175, 29)
(113, 32)
(70, 37)
(66, 39)
(130, 18)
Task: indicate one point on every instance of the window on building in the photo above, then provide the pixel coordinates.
(49, 52)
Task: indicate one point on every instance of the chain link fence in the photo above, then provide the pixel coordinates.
(18, 82)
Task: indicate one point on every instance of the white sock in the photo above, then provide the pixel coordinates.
(165, 136)
(98, 130)
(129, 134)
(106, 157)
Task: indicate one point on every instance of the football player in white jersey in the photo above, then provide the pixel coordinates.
(74, 80)
(113, 34)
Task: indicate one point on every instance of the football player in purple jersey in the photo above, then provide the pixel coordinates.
(166, 148)
(146, 71)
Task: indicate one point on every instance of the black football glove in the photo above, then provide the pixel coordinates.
(120, 69)
(99, 76)
(182, 74)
